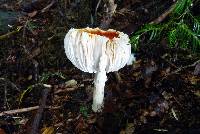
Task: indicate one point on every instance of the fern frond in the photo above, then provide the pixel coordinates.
(182, 28)
(135, 41)
(196, 25)
(188, 36)
(181, 6)
(172, 37)
(148, 28)
(152, 30)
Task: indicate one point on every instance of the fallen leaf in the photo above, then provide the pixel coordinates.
(166, 95)
(194, 80)
(197, 93)
(71, 83)
(174, 114)
(35, 53)
(32, 14)
(2, 131)
(48, 130)
(30, 77)
(81, 125)
(130, 128)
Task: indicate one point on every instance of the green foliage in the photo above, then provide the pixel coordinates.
(181, 30)
(181, 6)
(29, 89)
(45, 76)
(172, 37)
(84, 111)
(135, 41)
(43, 79)
(32, 25)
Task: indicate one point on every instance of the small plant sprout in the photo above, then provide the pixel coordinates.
(97, 51)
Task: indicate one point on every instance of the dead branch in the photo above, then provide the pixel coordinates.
(23, 110)
(163, 16)
(7, 35)
(176, 71)
(17, 111)
(97, 8)
(185, 67)
(107, 18)
(9, 83)
(181, 69)
(38, 116)
(48, 6)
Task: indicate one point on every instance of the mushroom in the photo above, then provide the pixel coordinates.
(97, 51)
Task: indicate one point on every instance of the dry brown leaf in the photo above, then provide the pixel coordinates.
(81, 125)
(35, 53)
(2, 131)
(48, 130)
(194, 80)
(32, 14)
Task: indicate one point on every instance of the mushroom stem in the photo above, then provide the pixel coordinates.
(98, 94)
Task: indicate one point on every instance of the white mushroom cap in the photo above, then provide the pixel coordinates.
(97, 51)
(85, 47)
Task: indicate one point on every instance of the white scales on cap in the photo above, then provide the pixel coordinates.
(97, 51)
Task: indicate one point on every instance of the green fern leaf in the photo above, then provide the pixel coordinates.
(196, 25)
(172, 37)
(152, 30)
(148, 28)
(181, 6)
(135, 41)
(188, 36)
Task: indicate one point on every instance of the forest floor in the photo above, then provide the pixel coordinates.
(42, 92)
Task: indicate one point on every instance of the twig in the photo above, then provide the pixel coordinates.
(17, 111)
(10, 83)
(7, 35)
(182, 68)
(38, 116)
(23, 110)
(133, 27)
(94, 12)
(5, 96)
(48, 6)
(65, 90)
(163, 16)
(107, 19)
(173, 65)
(176, 71)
